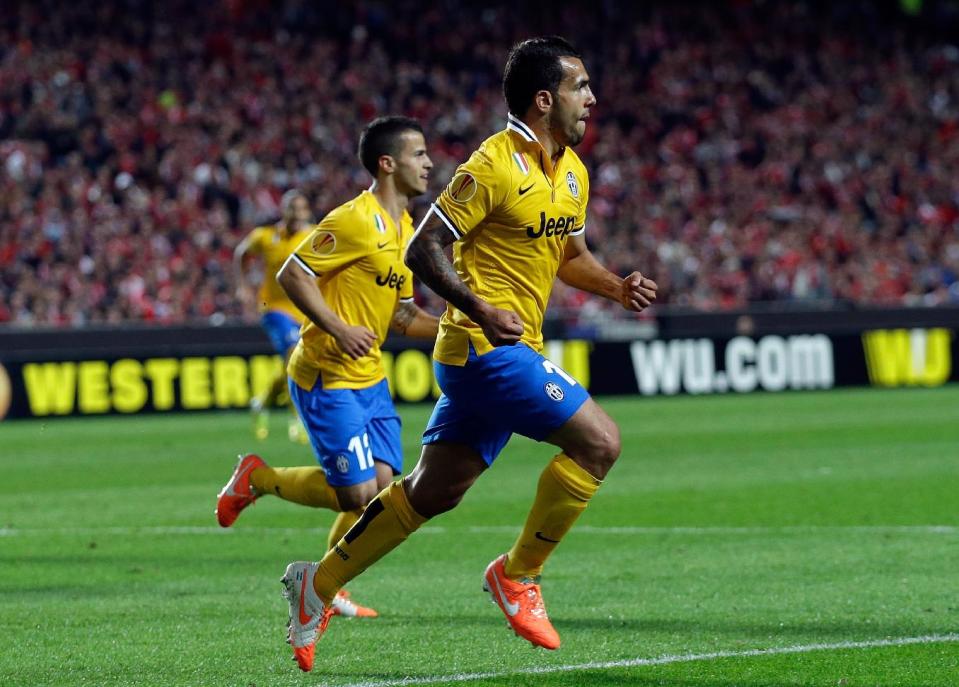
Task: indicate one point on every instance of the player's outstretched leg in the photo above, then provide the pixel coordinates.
(343, 604)
(238, 493)
(564, 490)
(309, 617)
(522, 603)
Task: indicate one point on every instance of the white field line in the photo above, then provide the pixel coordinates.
(661, 660)
(164, 530)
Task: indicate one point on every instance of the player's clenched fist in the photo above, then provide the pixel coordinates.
(355, 341)
(638, 292)
(501, 327)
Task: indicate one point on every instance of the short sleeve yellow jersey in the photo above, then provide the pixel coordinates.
(356, 255)
(511, 210)
(274, 246)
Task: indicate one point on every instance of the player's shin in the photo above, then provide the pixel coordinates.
(562, 494)
(344, 521)
(387, 521)
(304, 485)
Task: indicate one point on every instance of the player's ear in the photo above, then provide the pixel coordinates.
(543, 101)
(387, 164)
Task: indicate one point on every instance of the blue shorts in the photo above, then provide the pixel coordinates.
(282, 329)
(349, 428)
(510, 389)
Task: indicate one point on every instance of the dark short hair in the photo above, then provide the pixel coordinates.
(382, 137)
(532, 66)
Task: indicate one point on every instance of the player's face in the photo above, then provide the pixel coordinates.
(571, 105)
(413, 165)
(299, 212)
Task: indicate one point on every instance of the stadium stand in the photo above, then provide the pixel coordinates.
(739, 153)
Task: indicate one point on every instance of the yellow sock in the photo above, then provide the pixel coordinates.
(344, 521)
(562, 494)
(305, 485)
(387, 521)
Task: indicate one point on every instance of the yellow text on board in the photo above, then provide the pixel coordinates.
(908, 357)
(92, 387)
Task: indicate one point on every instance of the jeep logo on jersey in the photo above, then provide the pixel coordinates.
(551, 227)
(462, 188)
(392, 280)
(573, 186)
(323, 243)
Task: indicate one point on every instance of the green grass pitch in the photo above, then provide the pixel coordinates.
(822, 527)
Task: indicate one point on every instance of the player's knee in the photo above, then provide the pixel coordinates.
(432, 501)
(612, 443)
(351, 501)
(356, 496)
(603, 448)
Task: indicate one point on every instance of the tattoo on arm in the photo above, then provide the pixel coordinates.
(405, 313)
(426, 257)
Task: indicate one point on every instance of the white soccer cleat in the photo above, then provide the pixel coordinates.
(344, 606)
(308, 616)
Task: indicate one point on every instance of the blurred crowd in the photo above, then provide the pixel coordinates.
(740, 152)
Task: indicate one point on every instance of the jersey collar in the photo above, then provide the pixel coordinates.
(514, 123)
(519, 127)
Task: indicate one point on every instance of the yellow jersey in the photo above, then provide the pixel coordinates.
(274, 248)
(356, 254)
(511, 210)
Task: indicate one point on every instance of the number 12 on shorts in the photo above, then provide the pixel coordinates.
(364, 456)
(553, 368)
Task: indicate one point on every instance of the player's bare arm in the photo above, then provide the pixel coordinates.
(581, 270)
(411, 320)
(240, 255)
(426, 256)
(354, 340)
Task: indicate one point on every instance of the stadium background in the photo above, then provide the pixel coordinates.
(778, 163)
(787, 171)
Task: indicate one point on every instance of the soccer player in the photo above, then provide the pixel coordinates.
(349, 279)
(279, 317)
(515, 213)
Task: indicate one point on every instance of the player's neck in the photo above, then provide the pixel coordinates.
(540, 127)
(390, 199)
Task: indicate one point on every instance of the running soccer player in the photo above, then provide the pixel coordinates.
(515, 213)
(279, 317)
(349, 279)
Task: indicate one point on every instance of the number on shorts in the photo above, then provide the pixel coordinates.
(364, 456)
(551, 368)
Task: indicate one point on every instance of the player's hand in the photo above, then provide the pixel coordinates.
(638, 292)
(355, 340)
(501, 327)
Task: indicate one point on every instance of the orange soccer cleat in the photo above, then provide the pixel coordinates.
(522, 603)
(345, 606)
(308, 616)
(238, 493)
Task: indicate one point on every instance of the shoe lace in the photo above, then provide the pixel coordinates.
(535, 604)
